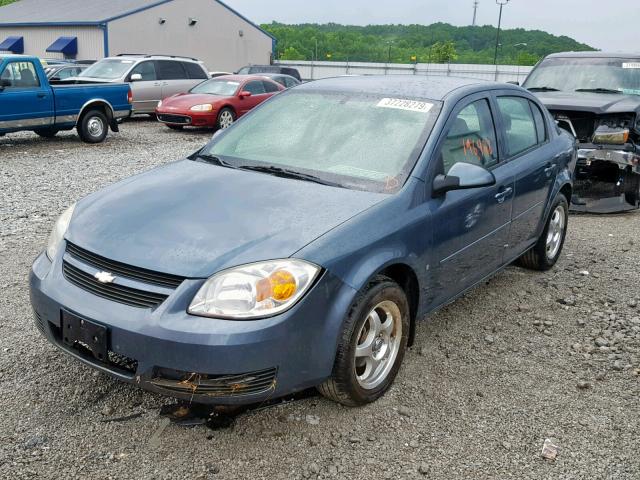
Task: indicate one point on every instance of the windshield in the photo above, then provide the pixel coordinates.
(216, 87)
(571, 74)
(354, 140)
(244, 71)
(108, 69)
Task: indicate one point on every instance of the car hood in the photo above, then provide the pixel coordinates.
(598, 103)
(193, 219)
(188, 100)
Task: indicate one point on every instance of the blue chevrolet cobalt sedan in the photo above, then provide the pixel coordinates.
(300, 246)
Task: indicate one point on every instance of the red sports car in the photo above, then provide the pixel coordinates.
(217, 102)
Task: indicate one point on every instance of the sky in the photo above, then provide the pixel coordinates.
(610, 25)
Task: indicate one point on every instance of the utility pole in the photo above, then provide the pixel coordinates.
(502, 3)
(475, 12)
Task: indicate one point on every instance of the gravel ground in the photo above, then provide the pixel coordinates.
(526, 357)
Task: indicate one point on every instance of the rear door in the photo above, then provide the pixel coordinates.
(148, 91)
(26, 100)
(471, 227)
(526, 138)
(174, 77)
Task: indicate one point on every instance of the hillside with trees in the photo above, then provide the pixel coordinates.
(437, 43)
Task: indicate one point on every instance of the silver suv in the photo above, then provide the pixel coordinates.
(152, 77)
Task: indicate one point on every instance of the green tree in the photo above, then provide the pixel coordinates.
(443, 52)
(290, 53)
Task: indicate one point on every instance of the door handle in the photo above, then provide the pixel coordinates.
(504, 194)
(42, 95)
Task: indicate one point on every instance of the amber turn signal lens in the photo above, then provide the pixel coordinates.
(280, 285)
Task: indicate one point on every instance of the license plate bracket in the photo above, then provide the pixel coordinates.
(89, 335)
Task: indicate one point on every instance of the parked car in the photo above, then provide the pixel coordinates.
(152, 77)
(300, 246)
(257, 69)
(287, 81)
(596, 97)
(216, 103)
(29, 102)
(64, 71)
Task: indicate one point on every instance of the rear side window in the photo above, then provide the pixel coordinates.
(170, 70)
(147, 70)
(519, 125)
(19, 75)
(471, 138)
(270, 87)
(541, 126)
(255, 88)
(194, 71)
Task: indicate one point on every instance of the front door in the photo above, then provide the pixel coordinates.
(470, 227)
(147, 90)
(25, 101)
(258, 95)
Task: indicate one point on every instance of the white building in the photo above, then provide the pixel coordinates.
(207, 30)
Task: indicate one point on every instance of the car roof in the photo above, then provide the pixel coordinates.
(594, 55)
(141, 56)
(433, 88)
(240, 78)
(277, 75)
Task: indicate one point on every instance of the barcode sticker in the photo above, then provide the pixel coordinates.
(631, 65)
(401, 104)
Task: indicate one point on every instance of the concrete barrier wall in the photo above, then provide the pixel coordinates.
(500, 73)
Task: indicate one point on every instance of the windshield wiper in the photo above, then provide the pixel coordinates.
(598, 90)
(207, 157)
(542, 89)
(286, 173)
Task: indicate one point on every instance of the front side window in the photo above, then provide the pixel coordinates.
(254, 88)
(170, 70)
(519, 125)
(19, 75)
(471, 138)
(147, 70)
(354, 140)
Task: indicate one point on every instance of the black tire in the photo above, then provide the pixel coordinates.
(93, 127)
(47, 132)
(175, 127)
(343, 385)
(220, 123)
(538, 257)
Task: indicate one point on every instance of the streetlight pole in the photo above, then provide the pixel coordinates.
(502, 3)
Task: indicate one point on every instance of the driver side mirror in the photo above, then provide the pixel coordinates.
(463, 176)
(244, 94)
(136, 77)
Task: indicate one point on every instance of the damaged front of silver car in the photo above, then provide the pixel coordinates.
(596, 97)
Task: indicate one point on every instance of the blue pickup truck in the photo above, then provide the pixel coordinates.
(29, 102)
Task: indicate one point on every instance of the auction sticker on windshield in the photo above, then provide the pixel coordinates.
(631, 65)
(401, 104)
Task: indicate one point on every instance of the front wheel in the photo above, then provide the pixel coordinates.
(93, 127)
(372, 345)
(544, 254)
(226, 117)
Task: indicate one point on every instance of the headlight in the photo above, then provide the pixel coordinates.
(59, 229)
(202, 108)
(611, 136)
(159, 104)
(255, 290)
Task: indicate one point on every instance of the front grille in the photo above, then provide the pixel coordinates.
(216, 385)
(122, 269)
(117, 293)
(179, 119)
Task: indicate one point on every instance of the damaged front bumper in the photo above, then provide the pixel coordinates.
(607, 179)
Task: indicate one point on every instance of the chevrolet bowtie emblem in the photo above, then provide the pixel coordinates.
(104, 277)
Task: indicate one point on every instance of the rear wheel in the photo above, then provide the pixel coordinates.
(372, 345)
(544, 254)
(226, 117)
(93, 127)
(47, 132)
